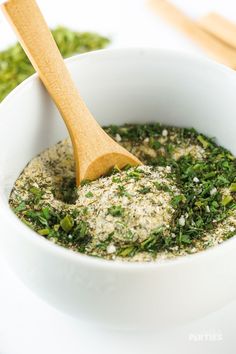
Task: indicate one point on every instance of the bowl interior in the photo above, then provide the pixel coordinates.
(121, 86)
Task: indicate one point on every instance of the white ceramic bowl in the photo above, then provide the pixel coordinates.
(120, 86)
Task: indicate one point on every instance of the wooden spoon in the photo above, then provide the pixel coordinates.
(211, 44)
(95, 152)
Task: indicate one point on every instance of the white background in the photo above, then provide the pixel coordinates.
(28, 325)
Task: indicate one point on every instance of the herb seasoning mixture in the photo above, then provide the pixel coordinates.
(181, 201)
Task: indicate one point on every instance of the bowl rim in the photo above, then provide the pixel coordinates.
(88, 260)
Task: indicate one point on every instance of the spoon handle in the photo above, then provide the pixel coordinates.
(38, 43)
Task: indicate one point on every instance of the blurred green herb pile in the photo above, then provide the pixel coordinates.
(15, 66)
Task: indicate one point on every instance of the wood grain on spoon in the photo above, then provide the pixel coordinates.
(94, 151)
(212, 45)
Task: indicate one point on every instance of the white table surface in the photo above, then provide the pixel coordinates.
(27, 324)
